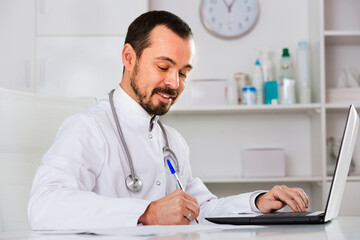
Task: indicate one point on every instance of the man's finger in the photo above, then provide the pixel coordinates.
(295, 194)
(194, 207)
(190, 202)
(190, 215)
(304, 197)
(280, 194)
(190, 197)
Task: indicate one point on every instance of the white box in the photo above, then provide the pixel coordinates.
(343, 95)
(208, 91)
(263, 162)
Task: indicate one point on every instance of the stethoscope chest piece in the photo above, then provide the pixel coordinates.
(134, 184)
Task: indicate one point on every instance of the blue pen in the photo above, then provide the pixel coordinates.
(173, 172)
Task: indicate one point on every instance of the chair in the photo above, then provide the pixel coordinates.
(28, 125)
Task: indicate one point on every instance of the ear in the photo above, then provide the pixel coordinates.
(128, 57)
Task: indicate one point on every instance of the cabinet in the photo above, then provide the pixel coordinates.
(80, 54)
(64, 47)
(217, 134)
(78, 66)
(17, 44)
(87, 17)
(341, 50)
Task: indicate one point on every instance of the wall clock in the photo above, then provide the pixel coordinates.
(229, 18)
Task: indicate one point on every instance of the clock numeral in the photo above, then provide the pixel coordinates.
(248, 9)
(246, 18)
(210, 10)
(240, 25)
(220, 25)
(213, 19)
(214, 1)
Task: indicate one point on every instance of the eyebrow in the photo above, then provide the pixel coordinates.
(173, 62)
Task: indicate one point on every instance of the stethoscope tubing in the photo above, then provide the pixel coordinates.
(133, 183)
(128, 156)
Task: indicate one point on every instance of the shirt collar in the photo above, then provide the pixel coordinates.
(131, 113)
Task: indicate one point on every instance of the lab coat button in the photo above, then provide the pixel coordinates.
(150, 136)
(158, 183)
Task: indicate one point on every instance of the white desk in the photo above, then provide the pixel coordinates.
(341, 228)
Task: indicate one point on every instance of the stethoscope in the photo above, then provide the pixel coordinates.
(133, 183)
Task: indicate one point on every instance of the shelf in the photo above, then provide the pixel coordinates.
(342, 37)
(306, 108)
(260, 180)
(340, 106)
(349, 179)
(342, 33)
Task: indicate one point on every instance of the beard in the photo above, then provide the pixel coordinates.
(145, 101)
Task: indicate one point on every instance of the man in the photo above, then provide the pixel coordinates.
(81, 181)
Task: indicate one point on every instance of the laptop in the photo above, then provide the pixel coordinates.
(335, 194)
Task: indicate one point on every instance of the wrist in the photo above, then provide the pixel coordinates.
(257, 201)
(145, 218)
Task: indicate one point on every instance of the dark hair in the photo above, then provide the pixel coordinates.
(138, 34)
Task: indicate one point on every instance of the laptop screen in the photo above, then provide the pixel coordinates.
(342, 164)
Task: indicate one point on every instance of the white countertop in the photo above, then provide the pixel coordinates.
(338, 229)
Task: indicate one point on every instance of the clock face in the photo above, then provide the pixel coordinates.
(229, 18)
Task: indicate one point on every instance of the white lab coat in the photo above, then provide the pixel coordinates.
(80, 183)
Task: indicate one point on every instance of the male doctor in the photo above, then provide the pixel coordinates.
(81, 181)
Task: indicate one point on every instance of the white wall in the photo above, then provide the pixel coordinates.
(282, 23)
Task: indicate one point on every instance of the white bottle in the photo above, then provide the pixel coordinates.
(286, 83)
(266, 65)
(231, 90)
(303, 72)
(257, 81)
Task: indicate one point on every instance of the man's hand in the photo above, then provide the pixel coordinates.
(280, 196)
(177, 208)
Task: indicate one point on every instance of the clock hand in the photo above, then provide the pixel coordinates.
(229, 6)
(226, 4)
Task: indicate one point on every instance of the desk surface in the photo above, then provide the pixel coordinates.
(338, 229)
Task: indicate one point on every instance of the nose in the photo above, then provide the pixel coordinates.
(172, 80)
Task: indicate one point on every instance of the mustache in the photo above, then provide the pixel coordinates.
(172, 92)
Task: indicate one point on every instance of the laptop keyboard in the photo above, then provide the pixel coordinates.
(284, 214)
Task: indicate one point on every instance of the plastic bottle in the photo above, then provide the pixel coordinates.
(303, 73)
(271, 92)
(266, 64)
(231, 90)
(258, 82)
(286, 81)
(242, 80)
(249, 95)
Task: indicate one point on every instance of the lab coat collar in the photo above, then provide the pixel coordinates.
(130, 112)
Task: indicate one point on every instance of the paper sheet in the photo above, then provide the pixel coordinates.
(154, 230)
